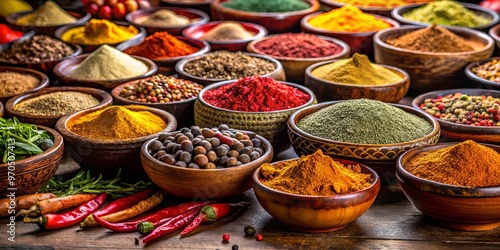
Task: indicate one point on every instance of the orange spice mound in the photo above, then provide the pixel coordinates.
(161, 45)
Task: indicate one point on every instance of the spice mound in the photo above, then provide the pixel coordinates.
(348, 18)
(165, 18)
(356, 70)
(57, 103)
(466, 164)
(489, 70)
(117, 122)
(297, 46)
(314, 174)
(381, 3)
(13, 83)
(432, 39)
(39, 48)
(256, 94)
(365, 121)
(97, 32)
(225, 65)
(49, 14)
(267, 5)
(161, 45)
(449, 13)
(228, 31)
(108, 63)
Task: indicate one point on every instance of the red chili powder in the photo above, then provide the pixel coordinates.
(297, 45)
(256, 94)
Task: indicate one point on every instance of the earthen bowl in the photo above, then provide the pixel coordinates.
(428, 70)
(483, 81)
(44, 80)
(107, 156)
(102, 96)
(197, 17)
(317, 214)
(203, 183)
(274, 22)
(462, 131)
(495, 33)
(45, 30)
(455, 207)
(295, 67)
(33, 172)
(328, 91)
(202, 5)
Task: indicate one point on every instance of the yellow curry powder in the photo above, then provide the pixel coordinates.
(381, 3)
(49, 14)
(99, 31)
(348, 18)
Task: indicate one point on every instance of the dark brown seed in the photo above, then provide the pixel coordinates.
(176, 148)
(193, 165)
(238, 146)
(189, 135)
(159, 154)
(244, 159)
(170, 147)
(206, 132)
(187, 146)
(200, 150)
(259, 150)
(182, 138)
(247, 150)
(168, 159)
(177, 136)
(156, 145)
(171, 138)
(195, 131)
(201, 160)
(254, 156)
(163, 136)
(177, 154)
(233, 153)
(180, 164)
(196, 141)
(238, 135)
(247, 143)
(256, 142)
(221, 151)
(186, 157)
(214, 141)
(223, 160)
(210, 166)
(211, 155)
(223, 127)
(232, 162)
(185, 130)
(206, 145)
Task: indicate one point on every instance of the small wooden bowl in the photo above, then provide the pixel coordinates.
(107, 156)
(277, 74)
(274, 22)
(495, 33)
(43, 78)
(202, 5)
(486, 83)
(62, 70)
(432, 71)
(317, 214)
(461, 131)
(328, 91)
(104, 98)
(455, 207)
(33, 172)
(203, 183)
(45, 30)
(295, 67)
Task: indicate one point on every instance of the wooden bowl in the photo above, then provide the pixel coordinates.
(197, 17)
(274, 22)
(455, 207)
(202, 5)
(33, 172)
(486, 83)
(107, 156)
(328, 91)
(45, 30)
(62, 70)
(104, 98)
(495, 33)
(278, 74)
(461, 131)
(271, 125)
(317, 214)
(43, 78)
(203, 184)
(359, 42)
(295, 67)
(432, 71)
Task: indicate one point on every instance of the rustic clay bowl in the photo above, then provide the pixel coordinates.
(49, 121)
(45, 30)
(277, 74)
(274, 22)
(33, 172)
(295, 67)
(203, 5)
(44, 80)
(197, 17)
(62, 70)
(486, 83)
(455, 207)
(494, 32)
(328, 91)
(432, 71)
(317, 214)
(461, 131)
(203, 183)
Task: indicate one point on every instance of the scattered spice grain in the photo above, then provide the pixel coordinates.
(228, 30)
(49, 14)
(13, 83)
(489, 70)
(161, 45)
(39, 48)
(57, 103)
(299, 45)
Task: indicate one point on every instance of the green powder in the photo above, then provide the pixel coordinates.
(267, 5)
(448, 13)
(356, 70)
(365, 121)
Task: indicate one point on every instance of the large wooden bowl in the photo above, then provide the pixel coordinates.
(317, 214)
(456, 207)
(203, 184)
(45, 30)
(33, 172)
(43, 78)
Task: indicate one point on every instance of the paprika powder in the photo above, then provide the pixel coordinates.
(297, 46)
(161, 45)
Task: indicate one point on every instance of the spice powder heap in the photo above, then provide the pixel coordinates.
(227, 31)
(298, 45)
(57, 103)
(49, 14)
(13, 83)
(348, 18)
(267, 5)
(97, 32)
(161, 45)
(382, 3)
(165, 18)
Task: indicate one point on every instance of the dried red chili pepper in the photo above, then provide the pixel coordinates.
(171, 225)
(7, 34)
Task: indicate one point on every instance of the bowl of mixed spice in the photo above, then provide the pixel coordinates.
(16, 81)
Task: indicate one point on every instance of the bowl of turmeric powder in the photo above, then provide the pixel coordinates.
(377, 7)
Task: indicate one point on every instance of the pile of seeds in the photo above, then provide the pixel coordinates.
(13, 83)
(38, 49)
(489, 70)
(57, 103)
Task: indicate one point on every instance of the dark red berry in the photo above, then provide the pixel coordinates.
(259, 237)
(225, 237)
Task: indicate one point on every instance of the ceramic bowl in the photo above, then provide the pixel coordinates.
(202, 5)
(107, 156)
(462, 131)
(455, 207)
(474, 77)
(317, 214)
(33, 172)
(398, 12)
(203, 183)
(44, 80)
(277, 74)
(104, 98)
(274, 22)
(271, 125)
(495, 33)
(295, 67)
(62, 70)
(428, 70)
(328, 91)
(45, 30)
(197, 17)
(377, 10)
